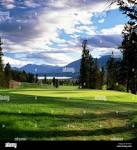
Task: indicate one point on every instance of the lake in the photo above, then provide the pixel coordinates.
(50, 77)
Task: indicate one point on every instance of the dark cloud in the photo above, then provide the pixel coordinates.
(20, 26)
(105, 41)
(35, 4)
(42, 56)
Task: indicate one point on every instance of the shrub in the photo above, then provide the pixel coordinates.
(120, 87)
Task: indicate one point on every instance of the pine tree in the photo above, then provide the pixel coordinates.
(128, 7)
(54, 81)
(129, 50)
(92, 73)
(111, 73)
(85, 67)
(36, 78)
(1, 66)
(30, 78)
(129, 44)
(45, 79)
(102, 76)
(97, 75)
(90, 76)
(7, 75)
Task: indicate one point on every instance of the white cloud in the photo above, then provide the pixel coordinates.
(98, 52)
(9, 4)
(101, 20)
(30, 3)
(15, 62)
(115, 30)
(89, 30)
(61, 59)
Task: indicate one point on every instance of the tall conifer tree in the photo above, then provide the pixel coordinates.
(111, 73)
(1, 66)
(85, 66)
(7, 75)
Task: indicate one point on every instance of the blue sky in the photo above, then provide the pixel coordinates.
(51, 31)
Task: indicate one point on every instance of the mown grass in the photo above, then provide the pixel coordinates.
(67, 113)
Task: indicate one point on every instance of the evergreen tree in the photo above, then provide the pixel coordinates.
(54, 81)
(97, 75)
(92, 73)
(30, 78)
(102, 76)
(45, 79)
(1, 66)
(23, 76)
(129, 44)
(129, 50)
(7, 75)
(111, 73)
(36, 78)
(121, 73)
(90, 76)
(128, 7)
(85, 67)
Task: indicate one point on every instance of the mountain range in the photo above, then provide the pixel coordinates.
(72, 69)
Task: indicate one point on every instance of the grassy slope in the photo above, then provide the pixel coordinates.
(68, 114)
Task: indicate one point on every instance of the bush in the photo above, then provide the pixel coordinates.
(104, 87)
(120, 87)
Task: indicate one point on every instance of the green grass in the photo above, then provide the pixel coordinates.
(67, 113)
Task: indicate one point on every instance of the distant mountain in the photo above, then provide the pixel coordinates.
(102, 61)
(75, 65)
(71, 69)
(32, 68)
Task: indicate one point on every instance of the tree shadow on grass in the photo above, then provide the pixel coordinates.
(93, 117)
(11, 134)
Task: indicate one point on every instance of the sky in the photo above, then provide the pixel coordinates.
(50, 32)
